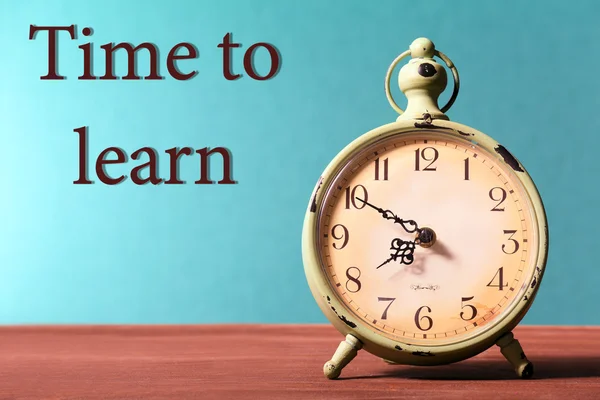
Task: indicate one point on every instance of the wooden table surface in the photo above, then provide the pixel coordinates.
(273, 362)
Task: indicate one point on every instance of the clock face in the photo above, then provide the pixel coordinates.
(480, 259)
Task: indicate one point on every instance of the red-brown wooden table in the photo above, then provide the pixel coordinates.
(273, 362)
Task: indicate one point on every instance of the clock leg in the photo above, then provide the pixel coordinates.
(345, 353)
(512, 350)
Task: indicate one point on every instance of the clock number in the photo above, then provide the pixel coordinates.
(500, 275)
(422, 154)
(467, 169)
(345, 236)
(427, 318)
(385, 169)
(501, 199)
(356, 285)
(351, 197)
(515, 242)
(391, 300)
(463, 306)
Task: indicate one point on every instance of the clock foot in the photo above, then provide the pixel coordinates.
(511, 349)
(345, 353)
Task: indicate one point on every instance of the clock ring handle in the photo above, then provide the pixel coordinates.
(455, 77)
(428, 53)
(388, 78)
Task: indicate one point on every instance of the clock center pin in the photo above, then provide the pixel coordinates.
(426, 237)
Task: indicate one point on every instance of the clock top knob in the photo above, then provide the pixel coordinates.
(422, 80)
(422, 47)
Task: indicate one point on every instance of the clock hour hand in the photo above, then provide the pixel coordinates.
(408, 225)
(403, 252)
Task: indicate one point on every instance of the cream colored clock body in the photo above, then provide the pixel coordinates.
(425, 240)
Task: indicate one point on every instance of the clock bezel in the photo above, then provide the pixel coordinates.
(374, 342)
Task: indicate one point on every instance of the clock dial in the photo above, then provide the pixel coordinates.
(478, 238)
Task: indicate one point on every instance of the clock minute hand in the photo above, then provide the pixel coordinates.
(408, 225)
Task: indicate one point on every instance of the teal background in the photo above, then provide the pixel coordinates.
(231, 253)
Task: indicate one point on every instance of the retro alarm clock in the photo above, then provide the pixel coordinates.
(425, 240)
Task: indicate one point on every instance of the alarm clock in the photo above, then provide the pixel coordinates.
(425, 240)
